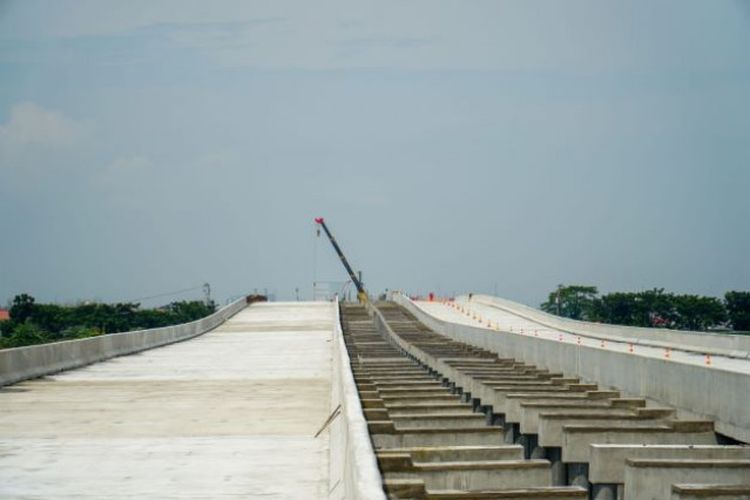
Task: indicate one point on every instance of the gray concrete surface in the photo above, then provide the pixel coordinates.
(229, 414)
(720, 343)
(577, 439)
(551, 425)
(728, 352)
(459, 453)
(354, 473)
(480, 475)
(652, 479)
(712, 491)
(607, 464)
(23, 363)
(694, 389)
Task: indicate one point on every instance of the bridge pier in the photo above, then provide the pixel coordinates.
(578, 474)
(604, 492)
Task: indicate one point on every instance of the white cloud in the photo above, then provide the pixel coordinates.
(31, 126)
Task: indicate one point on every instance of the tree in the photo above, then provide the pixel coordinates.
(573, 301)
(738, 309)
(698, 313)
(650, 308)
(655, 308)
(22, 308)
(185, 311)
(26, 334)
(619, 308)
(80, 332)
(33, 323)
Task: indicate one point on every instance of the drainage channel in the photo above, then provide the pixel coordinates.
(452, 421)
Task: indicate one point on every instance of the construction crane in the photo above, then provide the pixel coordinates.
(361, 293)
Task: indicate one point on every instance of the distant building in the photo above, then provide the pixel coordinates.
(4, 314)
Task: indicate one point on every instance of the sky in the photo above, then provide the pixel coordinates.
(496, 146)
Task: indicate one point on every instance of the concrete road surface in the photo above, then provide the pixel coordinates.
(230, 414)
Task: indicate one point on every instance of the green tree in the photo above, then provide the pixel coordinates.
(695, 312)
(650, 308)
(738, 309)
(37, 323)
(6, 327)
(655, 308)
(22, 308)
(186, 311)
(26, 334)
(619, 308)
(573, 301)
(80, 332)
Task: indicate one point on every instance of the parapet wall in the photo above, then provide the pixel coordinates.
(22, 363)
(698, 391)
(719, 343)
(354, 473)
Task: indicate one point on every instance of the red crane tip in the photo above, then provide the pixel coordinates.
(319, 220)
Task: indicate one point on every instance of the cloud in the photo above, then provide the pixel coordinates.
(212, 35)
(31, 126)
(578, 35)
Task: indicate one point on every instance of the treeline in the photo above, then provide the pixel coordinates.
(651, 308)
(31, 323)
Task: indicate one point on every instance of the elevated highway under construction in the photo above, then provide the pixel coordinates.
(449, 399)
(469, 398)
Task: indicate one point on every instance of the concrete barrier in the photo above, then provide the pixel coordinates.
(712, 491)
(353, 468)
(697, 391)
(23, 363)
(652, 479)
(719, 343)
(608, 460)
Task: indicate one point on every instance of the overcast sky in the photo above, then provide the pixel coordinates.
(489, 146)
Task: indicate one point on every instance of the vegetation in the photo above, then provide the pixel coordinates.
(738, 309)
(573, 301)
(651, 308)
(31, 323)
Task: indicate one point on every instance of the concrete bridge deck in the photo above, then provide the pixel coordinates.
(485, 315)
(570, 447)
(233, 412)
(228, 414)
(699, 381)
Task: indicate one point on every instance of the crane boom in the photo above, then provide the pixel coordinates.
(361, 293)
